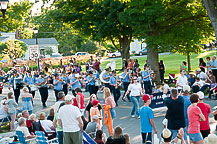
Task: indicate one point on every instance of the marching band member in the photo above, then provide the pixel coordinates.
(106, 76)
(126, 82)
(43, 90)
(91, 83)
(65, 86)
(114, 86)
(58, 85)
(16, 88)
(29, 80)
(74, 82)
(146, 80)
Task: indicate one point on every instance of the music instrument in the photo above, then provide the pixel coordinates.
(18, 83)
(117, 83)
(33, 87)
(101, 77)
(44, 83)
(111, 65)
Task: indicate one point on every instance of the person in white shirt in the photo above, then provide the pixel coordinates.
(69, 118)
(197, 85)
(182, 80)
(61, 97)
(135, 90)
(201, 74)
(22, 127)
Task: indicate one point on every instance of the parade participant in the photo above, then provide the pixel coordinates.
(74, 82)
(43, 90)
(126, 82)
(182, 80)
(115, 86)
(146, 80)
(135, 90)
(29, 80)
(15, 85)
(65, 85)
(58, 85)
(106, 76)
(91, 83)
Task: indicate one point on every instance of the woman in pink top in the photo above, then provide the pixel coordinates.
(109, 100)
(79, 100)
(194, 117)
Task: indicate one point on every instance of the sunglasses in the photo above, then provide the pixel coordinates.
(134, 79)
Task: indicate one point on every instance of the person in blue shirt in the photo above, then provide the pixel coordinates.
(96, 77)
(214, 66)
(146, 120)
(29, 80)
(58, 85)
(146, 80)
(16, 88)
(115, 87)
(126, 82)
(106, 77)
(91, 83)
(66, 80)
(75, 82)
(43, 90)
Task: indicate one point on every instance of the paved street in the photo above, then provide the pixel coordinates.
(123, 119)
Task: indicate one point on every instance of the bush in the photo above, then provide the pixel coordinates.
(6, 69)
(35, 67)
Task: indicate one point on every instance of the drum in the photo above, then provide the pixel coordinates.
(33, 87)
(97, 82)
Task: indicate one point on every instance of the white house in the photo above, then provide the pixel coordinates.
(43, 43)
(137, 45)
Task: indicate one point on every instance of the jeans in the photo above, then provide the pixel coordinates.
(135, 101)
(60, 137)
(126, 84)
(113, 113)
(175, 133)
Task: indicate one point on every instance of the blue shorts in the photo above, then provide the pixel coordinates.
(175, 133)
(195, 137)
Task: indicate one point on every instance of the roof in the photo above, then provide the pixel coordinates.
(2, 38)
(41, 41)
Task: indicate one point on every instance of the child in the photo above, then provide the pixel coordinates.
(146, 119)
(95, 111)
(27, 100)
(10, 102)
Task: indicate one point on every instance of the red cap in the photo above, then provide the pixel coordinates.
(146, 97)
(95, 102)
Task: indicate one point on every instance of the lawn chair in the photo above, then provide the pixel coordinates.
(42, 139)
(172, 78)
(87, 139)
(22, 138)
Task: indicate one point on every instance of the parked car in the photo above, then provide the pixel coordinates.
(115, 54)
(141, 52)
(81, 53)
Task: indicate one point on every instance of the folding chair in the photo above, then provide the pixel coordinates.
(42, 139)
(22, 138)
(87, 139)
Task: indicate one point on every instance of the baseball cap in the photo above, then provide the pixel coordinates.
(201, 95)
(95, 102)
(146, 97)
(95, 117)
(166, 133)
(68, 97)
(186, 88)
(198, 70)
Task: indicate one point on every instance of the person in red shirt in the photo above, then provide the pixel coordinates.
(78, 101)
(205, 108)
(97, 65)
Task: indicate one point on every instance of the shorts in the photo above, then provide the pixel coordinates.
(147, 138)
(175, 133)
(205, 133)
(195, 137)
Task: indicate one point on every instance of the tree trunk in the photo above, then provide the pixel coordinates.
(189, 61)
(125, 46)
(212, 13)
(153, 59)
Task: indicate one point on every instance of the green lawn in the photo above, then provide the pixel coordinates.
(172, 62)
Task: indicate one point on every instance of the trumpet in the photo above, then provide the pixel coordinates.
(42, 85)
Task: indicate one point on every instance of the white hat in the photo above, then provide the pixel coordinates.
(201, 95)
(95, 117)
(212, 139)
(68, 98)
(186, 88)
(198, 70)
(166, 133)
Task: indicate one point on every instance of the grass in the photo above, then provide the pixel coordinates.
(172, 62)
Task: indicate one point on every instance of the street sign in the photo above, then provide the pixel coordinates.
(33, 52)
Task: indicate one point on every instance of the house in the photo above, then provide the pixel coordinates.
(137, 45)
(6, 36)
(43, 43)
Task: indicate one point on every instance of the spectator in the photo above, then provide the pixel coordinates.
(214, 67)
(100, 137)
(208, 64)
(127, 138)
(109, 100)
(69, 118)
(205, 108)
(176, 118)
(11, 104)
(51, 115)
(61, 97)
(212, 90)
(182, 80)
(146, 80)
(47, 125)
(3, 111)
(183, 66)
(25, 114)
(93, 126)
(124, 65)
(135, 65)
(210, 77)
(202, 75)
(22, 127)
(194, 117)
(211, 139)
(167, 136)
(27, 100)
(97, 65)
(197, 85)
(202, 65)
(117, 137)
(89, 105)
(162, 70)
(79, 100)
(147, 123)
(95, 111)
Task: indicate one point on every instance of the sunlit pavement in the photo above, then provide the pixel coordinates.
(123, 119)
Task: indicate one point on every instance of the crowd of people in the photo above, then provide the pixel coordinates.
(187, 114)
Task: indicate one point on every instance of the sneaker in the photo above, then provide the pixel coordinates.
(133, 116)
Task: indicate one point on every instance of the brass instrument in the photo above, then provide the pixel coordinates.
(44, 83)
(117, 83)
